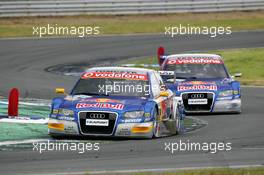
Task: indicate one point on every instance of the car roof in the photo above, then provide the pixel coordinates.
(122, 69)
(194, 56)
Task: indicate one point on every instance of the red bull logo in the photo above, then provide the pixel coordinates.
(100, 105)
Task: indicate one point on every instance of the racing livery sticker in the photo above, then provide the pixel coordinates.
(196, 82)
(191, 60)
(197, 87)
(100, 100)
(100, 105)
(116, 75)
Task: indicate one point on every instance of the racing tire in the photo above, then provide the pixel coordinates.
(178, 122)
(178, 126)
(156, 126)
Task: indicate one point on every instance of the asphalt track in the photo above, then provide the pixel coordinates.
(23, 63)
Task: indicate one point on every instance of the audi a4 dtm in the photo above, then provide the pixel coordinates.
(117, 101)
(202, 82)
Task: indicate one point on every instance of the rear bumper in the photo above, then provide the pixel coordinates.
(227, 106)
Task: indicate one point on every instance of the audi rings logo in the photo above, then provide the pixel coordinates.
(97, 116)
(197, 96)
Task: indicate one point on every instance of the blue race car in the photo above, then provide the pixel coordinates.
(201, 81)
(117, 101)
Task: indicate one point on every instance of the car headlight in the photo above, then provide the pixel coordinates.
(225, 93)
(134, 114)
(66, 112)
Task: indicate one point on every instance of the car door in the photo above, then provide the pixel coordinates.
(164, 102)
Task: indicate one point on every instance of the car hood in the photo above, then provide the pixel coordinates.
(117, 104)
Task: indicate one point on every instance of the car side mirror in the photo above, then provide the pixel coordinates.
(237, 75)
(60, 91)
(164, 94)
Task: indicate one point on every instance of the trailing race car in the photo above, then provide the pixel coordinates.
(117, 101)
(201, 81)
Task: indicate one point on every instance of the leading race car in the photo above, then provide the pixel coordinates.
(201, 81)
(117, 101)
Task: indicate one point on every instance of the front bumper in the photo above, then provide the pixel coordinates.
(222, 106)
(62, 127)
(138, 130)
(233, 105)
(134, 130)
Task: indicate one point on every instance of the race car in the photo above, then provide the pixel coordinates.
(118, 102)
(202, 82)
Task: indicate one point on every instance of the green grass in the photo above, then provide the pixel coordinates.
(250, 62)
(21, 131)
(127, 24)
(219, 171)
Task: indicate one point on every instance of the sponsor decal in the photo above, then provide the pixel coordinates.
(97, 122)
(70, 130)
(123, 131)
(196, 82)
(197, 101)
(65, 118)
(197, 87)
(100, 100)
(115, 75)
(53, 115)
(131, 120)
(190, 60)
(100, 105)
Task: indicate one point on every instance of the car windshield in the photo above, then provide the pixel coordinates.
(197, 71)
(111, 87)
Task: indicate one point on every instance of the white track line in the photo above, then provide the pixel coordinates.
(257, 148)
(28, 103)
(156, 170)
(14, 142)
(169, 169)
(24, 121)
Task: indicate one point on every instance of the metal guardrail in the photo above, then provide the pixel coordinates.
(12, 8)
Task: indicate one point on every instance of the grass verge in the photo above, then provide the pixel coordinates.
(247, 61)
(127, 24)
(219, 171)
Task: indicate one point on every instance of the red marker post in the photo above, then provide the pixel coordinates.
(160, 52)
(13, 102)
